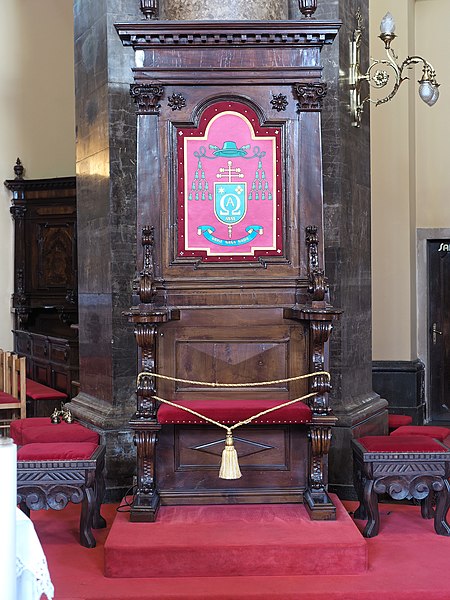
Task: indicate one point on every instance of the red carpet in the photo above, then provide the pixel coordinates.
(407, 561)
(237, 540)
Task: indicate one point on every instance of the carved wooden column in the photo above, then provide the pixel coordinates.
(146, 319)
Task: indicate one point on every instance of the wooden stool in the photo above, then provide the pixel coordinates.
(403, 467)
(49, 475)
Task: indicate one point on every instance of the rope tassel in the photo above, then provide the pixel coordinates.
(229, 468)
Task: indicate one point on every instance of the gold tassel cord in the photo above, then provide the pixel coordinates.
(229, 468)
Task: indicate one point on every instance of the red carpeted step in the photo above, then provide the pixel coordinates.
(238, 540)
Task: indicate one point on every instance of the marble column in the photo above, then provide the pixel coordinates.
(347, 221)
(194, 10)
(106, 196)
(106, 142)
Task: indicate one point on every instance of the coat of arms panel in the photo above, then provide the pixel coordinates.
(230, 186)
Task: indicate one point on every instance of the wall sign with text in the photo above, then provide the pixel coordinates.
(229, 186)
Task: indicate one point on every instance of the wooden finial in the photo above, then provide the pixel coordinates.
(19, 169)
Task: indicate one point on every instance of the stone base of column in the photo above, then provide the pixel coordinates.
(116, 435)
(368, 416)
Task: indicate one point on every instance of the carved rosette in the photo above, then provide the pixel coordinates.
(279, 102)
(310, 96)
(176, 101)
(320, 446)
(147, 98)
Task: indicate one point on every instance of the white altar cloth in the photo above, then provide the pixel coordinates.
(33, 577)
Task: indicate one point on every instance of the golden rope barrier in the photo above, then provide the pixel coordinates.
(214, 384)
(229, 468)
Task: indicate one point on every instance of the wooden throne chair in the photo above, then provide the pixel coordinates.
(231, 286)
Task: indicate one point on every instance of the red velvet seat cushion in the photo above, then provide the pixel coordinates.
(36, 422)
(61, 432)
(233, 411)
(395, 421)
(438, 433)
(38, 391)
(405, 443)
(41, 429)
(56, 451)
(17, 426)
(7, 398)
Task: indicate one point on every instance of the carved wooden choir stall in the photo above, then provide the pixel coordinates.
(45, 279)
(231, 287)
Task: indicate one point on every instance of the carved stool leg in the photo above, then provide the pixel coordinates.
(360, 512)
(98, 522)
(371, 505)
(426, 506)
(87, 538)
(24, 508)
(441, 525)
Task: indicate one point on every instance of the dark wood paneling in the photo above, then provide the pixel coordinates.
(271, 459)
(45, 278)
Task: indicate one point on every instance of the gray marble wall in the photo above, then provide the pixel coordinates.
(188, 10)
(106, 195)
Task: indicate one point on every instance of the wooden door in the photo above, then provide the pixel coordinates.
(439, 329)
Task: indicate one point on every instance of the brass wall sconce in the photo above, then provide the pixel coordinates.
(378, 78)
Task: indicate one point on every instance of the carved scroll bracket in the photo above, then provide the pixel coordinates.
(146, 338)
(147, 97)
(320, 446)
(145, 285)
(310, 96)
(317, 281)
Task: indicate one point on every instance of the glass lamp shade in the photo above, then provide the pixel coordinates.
(426, 91)
(387, 24)
(434, 98)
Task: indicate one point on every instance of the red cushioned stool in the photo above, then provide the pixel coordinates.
(41, 399)
(42, 430)
(395, 421)
(50, 475)
(403, 467)
(438, 433)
